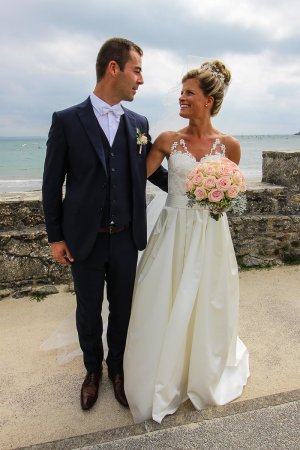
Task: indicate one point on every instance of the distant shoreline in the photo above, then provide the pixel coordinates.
(22, 158)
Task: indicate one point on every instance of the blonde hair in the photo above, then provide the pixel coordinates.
(214, 79)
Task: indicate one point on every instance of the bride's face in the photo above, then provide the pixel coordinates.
(192, 101)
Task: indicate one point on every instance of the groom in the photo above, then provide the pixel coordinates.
(98, 148)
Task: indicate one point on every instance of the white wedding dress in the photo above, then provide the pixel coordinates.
(182, 339)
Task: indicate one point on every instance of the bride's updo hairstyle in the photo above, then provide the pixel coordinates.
(214, 79)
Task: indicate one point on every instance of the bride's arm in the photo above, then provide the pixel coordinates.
(233, 149)
(158, 152)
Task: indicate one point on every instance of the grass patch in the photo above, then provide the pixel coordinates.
(291, 260)
(243, 268)
(38, 296)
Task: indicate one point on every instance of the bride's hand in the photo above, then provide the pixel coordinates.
(61, 253)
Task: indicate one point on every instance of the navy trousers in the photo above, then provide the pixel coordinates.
(112, 261)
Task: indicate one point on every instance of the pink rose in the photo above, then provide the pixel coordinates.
(232, 192)
(189, 185)
(216, 165)
(223, 183)
(228, 162)
(209, 182)
(233, 165)
(208, 169)
(243, 186)
(202, 168)
(193, 172)
(225, 170)
(198, 179)
(215, 195)
(200, 193)
(237, 178)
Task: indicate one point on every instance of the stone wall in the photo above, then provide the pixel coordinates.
(267, 234)
(282, 168)
(24, 251)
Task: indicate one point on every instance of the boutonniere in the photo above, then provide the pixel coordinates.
(141, 139)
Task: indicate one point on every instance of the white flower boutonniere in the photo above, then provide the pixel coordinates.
(141, 139)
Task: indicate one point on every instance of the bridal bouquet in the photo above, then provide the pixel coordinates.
(218, 185)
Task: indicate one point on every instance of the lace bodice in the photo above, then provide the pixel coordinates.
(181, 161)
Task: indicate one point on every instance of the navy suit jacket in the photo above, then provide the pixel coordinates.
(75, 155)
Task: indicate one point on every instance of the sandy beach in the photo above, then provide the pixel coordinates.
(39, 398)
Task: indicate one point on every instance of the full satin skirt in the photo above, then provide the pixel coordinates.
(182, 339)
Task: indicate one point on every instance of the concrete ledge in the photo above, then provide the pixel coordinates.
(170, 421)
(20, 196)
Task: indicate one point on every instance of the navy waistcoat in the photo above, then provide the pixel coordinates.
(118, 203)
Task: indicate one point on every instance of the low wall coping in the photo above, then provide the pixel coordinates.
(10, 197)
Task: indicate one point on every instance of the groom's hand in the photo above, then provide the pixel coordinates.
(61, 253)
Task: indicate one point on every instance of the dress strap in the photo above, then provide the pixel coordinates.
(181, 143)
(214, 151)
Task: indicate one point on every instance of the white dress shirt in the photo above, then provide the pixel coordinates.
(108, 119)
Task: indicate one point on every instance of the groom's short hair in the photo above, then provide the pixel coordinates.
(115, 49)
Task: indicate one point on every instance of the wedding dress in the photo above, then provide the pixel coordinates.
(182, 339)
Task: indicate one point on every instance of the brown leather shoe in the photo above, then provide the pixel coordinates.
(89, 390)
(118, 384)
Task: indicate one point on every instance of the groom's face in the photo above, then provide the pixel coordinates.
(129, 80)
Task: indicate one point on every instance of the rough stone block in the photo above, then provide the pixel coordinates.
(281, 168)
(47, 290)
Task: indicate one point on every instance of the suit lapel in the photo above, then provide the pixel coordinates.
(91, 125)
(130, 124)
(131, 127)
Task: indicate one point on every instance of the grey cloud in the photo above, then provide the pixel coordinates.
(170, 26)
(33, 84)
(289, 46)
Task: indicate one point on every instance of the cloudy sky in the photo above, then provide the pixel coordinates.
(48, 50)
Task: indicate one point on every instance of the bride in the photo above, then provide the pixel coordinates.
(182, 339)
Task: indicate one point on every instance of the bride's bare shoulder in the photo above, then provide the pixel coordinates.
(169, 137)
(165, 140)
(233, 148)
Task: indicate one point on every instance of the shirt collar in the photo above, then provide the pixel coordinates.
(98, 103)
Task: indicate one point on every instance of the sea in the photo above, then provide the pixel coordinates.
(22, 158)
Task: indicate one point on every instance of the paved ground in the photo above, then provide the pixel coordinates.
(274, 427)
(39, 399)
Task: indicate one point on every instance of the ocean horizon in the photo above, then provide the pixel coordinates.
(22, 158)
